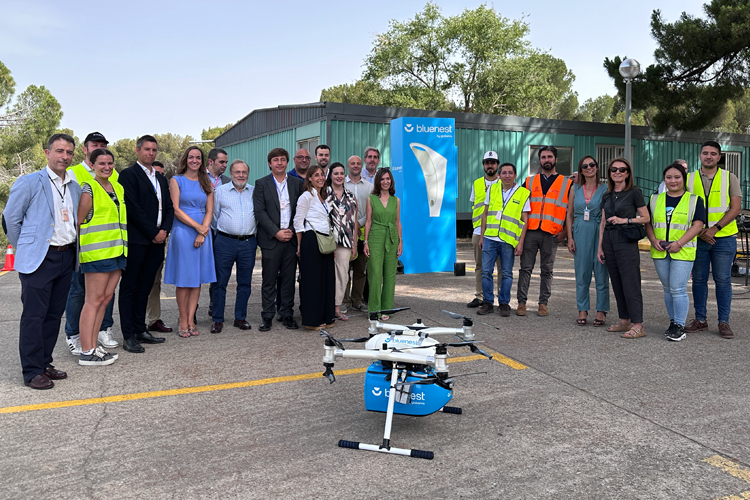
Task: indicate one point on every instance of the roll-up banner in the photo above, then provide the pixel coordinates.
(424, 165)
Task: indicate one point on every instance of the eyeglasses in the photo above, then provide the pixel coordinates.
(614, 170)
(589, 165)
(545, 148)
(302, 157)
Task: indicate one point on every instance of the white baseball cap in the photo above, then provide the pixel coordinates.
(490, 155)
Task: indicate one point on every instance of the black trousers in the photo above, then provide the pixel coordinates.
(43, 294)
(279, 262)
(317, 283)
(137, 279)
(623, 261)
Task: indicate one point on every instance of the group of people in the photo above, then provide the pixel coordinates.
(81, 230)
(689, 222)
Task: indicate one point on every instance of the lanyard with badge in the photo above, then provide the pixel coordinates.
(280, 189)
(509, 196)
(587, 199)
(64, 211)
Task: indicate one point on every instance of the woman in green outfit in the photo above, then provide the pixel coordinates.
(383, 244)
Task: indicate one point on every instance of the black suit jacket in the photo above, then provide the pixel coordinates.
(143, 205)
(268, 211)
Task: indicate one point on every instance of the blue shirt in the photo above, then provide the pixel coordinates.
(233, 210)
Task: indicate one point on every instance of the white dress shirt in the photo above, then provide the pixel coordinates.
(362, 191)
(155, 183)
(64, 232)
(312, 214)
(285, 214)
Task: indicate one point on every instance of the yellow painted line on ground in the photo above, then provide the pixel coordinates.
(729, 467)
(4, 272)
(739, 496)
(209, 388)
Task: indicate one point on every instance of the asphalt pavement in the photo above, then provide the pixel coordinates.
(563, 411)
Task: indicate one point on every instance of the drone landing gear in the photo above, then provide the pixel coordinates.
(386, 446)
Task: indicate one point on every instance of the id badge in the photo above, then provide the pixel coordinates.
(586, 214)
(65, 216)
(282, 204)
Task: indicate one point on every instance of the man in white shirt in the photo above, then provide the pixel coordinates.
(41, 216)
(274, 204)
(479, 190)
(362, 189)
(372, 160)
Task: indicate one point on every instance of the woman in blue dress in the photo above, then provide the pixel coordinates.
(584, 217)
(190, 257)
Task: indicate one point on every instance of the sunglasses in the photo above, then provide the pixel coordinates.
(589, 165)
(622, 170)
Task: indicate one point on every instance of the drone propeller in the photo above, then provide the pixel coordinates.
(454, 315)
(373, 315)
(477, 350)
(338, 342)
(444, 344)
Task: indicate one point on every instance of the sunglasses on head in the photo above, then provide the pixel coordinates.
(622, 170)
(589, 165)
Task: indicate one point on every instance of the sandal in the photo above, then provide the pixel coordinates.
(583, 321)
(619, 327)
(600, 322)
(342, 317)
(184, 333)
(193, 331)
(633, 333)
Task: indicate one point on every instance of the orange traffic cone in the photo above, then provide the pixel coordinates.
(10, 259)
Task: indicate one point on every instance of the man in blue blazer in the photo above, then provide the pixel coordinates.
(41, 221)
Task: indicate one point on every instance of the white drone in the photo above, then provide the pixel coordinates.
(409, 373)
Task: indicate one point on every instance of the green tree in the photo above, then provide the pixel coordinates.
(700, 65)
(477, 61)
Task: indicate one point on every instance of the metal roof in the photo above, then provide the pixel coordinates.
(270, 120)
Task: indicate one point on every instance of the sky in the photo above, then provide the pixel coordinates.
(143, 67)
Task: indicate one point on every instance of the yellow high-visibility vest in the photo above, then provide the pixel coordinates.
(504, 220)
(681, 220)
(105, 236)
(717, 203)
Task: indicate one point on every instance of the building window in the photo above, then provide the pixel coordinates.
(564, 160)
(731, 162)
(309, 145)
(605, 154)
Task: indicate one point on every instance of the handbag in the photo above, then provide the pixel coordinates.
(326, 242)
(630, 232)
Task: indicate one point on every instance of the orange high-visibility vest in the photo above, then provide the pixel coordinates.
(548, 211)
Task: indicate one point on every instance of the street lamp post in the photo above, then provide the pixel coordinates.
(629, 69)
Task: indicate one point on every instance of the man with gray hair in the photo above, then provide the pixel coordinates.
(235, 242)
(372, 160)
(354, 293)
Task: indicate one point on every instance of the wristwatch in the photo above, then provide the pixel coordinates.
(364, 242)
(719, 226)
(630, 221)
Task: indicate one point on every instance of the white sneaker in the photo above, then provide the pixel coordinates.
(107, 339)
(74, 344)
(104, 354)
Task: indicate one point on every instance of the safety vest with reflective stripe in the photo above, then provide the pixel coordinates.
(504, 221)
(480, 193)
(105, 236)
(681, 220)
(548, 211)
(718, 199)
(81, 174)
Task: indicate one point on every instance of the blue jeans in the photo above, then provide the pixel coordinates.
(76, 298)
(719, 257)
(227, 251)
(491, 250)
(674, 275)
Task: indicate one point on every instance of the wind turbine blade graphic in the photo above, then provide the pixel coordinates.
(434, 166)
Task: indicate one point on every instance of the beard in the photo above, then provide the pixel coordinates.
(490, 171)
(547, 166)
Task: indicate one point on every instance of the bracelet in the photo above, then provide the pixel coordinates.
(365, 242)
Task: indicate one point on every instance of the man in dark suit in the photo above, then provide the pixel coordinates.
(275, 203)
(150, 217)
(41, 216)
